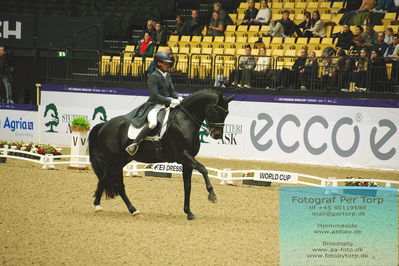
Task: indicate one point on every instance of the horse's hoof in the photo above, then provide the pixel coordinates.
(98, 209)
(212, 198)
(136, 212)
(191, 217)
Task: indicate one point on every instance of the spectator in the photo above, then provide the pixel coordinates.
(194, 26)
(367, 5)
(263, 16)
(317, 26)
(216, 26)
(358, 44)
(145, 47)
(329, 73)
(180, 26)
(388, 35)
(378, 71)
(262, 68)
(358, 31)
(380, 46)
(345, 38)
(345, 66)
(217, 7)
(358, 77)
(309, 72)
(289, 78)
(250, 13)
(151, 28)
(246, 64)
(306, 23)
(5, 73)
(160, 35)
(389, 52)
(370, 36)
(283, 27)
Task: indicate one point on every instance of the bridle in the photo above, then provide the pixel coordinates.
(208, 126)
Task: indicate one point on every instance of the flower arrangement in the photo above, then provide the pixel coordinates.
(80, 124)
(359, 183)
(30, 147)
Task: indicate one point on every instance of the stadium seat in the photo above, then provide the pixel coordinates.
(336, 6)
(242, 31)
(388, 18)
(312, 6)
(105, 64)
(378, 28)
(300, 6)
(263, 30)
(253, 30)
(233, 18)
(206, 50)
(184, 50)
(240, 18)
(137, 66)
(115, 65)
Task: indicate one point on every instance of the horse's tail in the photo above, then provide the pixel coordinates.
(100, 165)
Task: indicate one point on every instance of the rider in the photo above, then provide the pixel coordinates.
(163, 94)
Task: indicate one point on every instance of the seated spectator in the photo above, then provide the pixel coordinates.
(358, 31)
(309, 72)
(377, 72)
(151, 28)
(289, 77)
(380, 46)
(216, 26)
(358, 44)
(358, 78)
(246, 64)
(261, 70)
(180, 26)
(263, 16)
(345, 66)
(306, 23)
(329, 73)
(145, 47)
(370, 36)
(217, 7)
(317, 26)
(160, 35)
(367, 5)
(283, 27)
(194, 26)
(345, 38)
(250, 13)
(389, 52)
(388, 35)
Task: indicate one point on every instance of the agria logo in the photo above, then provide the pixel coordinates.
(17, 124)
(51, 117)
(100, 113)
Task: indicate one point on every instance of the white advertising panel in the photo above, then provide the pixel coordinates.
(310, 130)
(19, 122)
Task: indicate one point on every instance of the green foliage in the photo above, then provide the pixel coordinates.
(359, 183)
(80, 122)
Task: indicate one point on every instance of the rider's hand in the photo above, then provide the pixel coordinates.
(180, 98)
(174, 102)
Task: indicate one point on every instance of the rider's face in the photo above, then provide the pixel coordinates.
(164, 66)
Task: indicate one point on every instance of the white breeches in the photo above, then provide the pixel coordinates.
(152, 115)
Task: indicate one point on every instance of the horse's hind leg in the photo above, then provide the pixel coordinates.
(122, 193)
(98, 194)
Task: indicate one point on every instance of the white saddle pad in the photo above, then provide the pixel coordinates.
(133, 132)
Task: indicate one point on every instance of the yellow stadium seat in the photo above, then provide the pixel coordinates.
(115, 65)
(290, 52)
(195, 50)
(230, 51)
(300, 5)
(388, 18)
(173, 38)
(206, 50)
(233, 18)
(267, 41)
(240, 51)
(129, 49)
(323, 6)
(243, 5)
(314, 40)
(196, 39)
(325, 17)
(312, 6)
(207, 39)
(105, 64)
(337, 17)
(289, 5)
(378, 28)
(126, 66)
(252, 40)
(337, 29)
(255, 52)
(175, 49)
(218, 51)
(137, 66)
(230, 39)
(240, 18)
(184, 50)
(162, 48)
(277, 52)
(263, 30)
(277, 5)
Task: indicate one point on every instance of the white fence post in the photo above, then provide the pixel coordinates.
(131, 169)
(226, 173)
(48, 161)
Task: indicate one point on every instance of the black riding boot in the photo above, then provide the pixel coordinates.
(132, 148)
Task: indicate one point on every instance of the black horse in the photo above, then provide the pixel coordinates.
(107, 143)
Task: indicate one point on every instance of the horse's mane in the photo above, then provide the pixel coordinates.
(201, 93)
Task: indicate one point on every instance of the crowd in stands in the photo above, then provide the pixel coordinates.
(354, 57)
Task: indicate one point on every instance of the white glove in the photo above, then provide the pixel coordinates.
(175, 102)
(180, 98)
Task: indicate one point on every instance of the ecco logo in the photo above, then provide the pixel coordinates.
(376, 145)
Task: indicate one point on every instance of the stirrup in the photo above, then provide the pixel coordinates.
(132, 148)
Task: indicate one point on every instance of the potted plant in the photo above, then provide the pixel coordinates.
(80, 124)
(361, 188)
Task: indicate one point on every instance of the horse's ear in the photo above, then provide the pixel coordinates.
(230, 98)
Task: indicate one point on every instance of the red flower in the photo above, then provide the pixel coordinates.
(40, 150)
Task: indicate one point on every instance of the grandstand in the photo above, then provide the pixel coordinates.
(104, 50)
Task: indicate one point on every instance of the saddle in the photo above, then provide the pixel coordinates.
(157, 133)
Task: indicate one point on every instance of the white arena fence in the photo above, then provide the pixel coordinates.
(225, 176)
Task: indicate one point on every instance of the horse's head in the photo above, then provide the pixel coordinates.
(215, 114)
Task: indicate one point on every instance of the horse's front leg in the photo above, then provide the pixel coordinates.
(187, 172)
(200, 168)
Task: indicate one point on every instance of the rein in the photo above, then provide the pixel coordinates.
(199, 123)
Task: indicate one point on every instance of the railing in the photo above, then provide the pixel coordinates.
(282, 72)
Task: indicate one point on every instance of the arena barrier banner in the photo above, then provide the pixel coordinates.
(338, 226)
(19, 122)
(356, 133)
